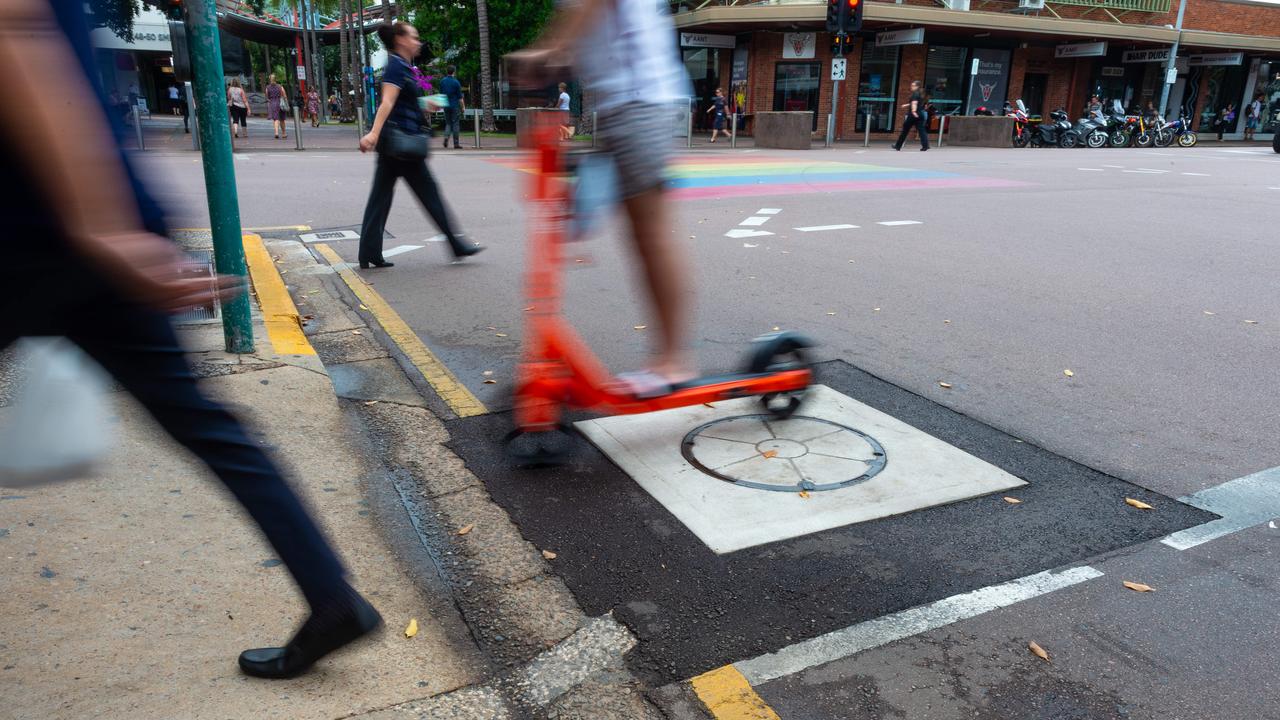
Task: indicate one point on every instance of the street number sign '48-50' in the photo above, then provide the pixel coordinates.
(838, 66)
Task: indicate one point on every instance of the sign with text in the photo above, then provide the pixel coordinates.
(915, 36)
(1230, 58)
(1073, 50)
(1145, 56)
(798, 46)
(738, 79)
(302, 72)
(991, 79)
(706, 40)
(838, 67)
(1112, 71)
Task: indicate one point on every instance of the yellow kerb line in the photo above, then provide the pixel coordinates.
(728, 696)
(279, 314)
(453, 392)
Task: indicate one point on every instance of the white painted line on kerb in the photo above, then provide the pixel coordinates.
(874, 633)
(1242, 503)
(895, 223)
(820, 228)
(768, 211)
(754, 221)
(401, 249)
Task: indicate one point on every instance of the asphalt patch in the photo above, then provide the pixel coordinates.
(619, 551)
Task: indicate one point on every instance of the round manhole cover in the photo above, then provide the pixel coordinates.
(799, 453)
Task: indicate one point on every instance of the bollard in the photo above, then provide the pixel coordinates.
(866, 131)
(475, 115)
(831, 129)
(297, 129)
(193, 122)
(595, 127)
(360, 123)
(733, 130)
(688, 138)
(137, 126)
(942, 125)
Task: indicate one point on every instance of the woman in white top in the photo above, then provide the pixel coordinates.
(238, 107)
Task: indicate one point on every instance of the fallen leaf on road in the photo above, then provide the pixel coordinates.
(1068, 373)
(548, 555)
(1138, 587)
(528, 308)
(1038, 651)
(500, 334)
(372, 402)
(356, 332)
(639, 327)
(944, 385)
(1250, 322)
(1138, 504)
(490, 382)
(487, 373)
(946, 322)
(412, 629)
(776, 328)
(1012, 500)
(1206, 312)
(803, 493)
(466, 529)
(709, 405)
(875, 309)
(362, 307)
(693, 237)
(831, 313)
(770, 453)
(749, 245)
(490, 327)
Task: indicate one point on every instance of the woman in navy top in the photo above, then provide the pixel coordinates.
(400, 109)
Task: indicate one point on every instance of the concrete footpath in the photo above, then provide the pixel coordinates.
(129, 594)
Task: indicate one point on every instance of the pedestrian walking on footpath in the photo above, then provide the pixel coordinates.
(335, 110)
(562, 104)
(238, 107)
(624, 50)
(717, 119)
(1225, 119)
(452, 90)
(916, 117)
(277, 101)
(1253, 117)
(87, 260)
(173, 98)
(313, 107)
(402, 143)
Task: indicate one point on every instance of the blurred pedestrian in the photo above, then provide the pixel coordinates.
(624, 50)
(313, 106)
(1225, 120)
(238, 108)
(452, 90)
(562, 104)
(86, 259)
(335, 110)
(1253, 117)
(718, 108)
(277, 102)
(402, 143)
(173, 98)
(916, 117)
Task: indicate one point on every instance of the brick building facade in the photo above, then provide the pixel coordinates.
(776, 55)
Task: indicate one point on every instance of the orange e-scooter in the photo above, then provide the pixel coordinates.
(558, 371)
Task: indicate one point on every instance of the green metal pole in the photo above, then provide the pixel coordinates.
(219, 170)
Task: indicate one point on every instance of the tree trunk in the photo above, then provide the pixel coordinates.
(357, 56)
(387, 17)
(486, 72)
(344, 60)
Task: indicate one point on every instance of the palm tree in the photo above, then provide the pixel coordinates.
(486, 73)
(344, 59)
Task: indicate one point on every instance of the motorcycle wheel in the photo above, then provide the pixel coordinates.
(1021, 140)
(1163, 138)
(1143, 140)
(1096, 139)
(1188, 139)
(1119, 139)
(1068, 140)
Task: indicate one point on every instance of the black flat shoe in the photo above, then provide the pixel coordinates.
(327, 629)
(467, 251)
(376, 263)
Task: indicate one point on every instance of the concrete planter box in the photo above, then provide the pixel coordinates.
(528, 118)
(786, 130)
(980, 131)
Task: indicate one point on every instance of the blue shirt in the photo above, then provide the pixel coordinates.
(452, 89)
(406, 114)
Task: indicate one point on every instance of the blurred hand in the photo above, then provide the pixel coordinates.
(368, 142)
(154, 272)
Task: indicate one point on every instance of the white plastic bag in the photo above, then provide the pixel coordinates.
(57, 428)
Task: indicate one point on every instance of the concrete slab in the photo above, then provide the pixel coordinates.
(733, 476)
(380, 379)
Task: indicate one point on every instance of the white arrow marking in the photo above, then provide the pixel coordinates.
(754, 221)
(738, 233)
(819, 228)
(894, 223)
(768, 211)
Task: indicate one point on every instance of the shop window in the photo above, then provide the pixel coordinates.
(1267, 82)
(1226, 85)
(703, 67)
(878, 88)
(944, 76)
(795, 88)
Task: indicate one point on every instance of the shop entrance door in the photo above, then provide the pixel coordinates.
(1033, 90)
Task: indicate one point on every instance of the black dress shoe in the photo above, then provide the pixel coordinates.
(467, 251)
(328, 629)
(376, 263)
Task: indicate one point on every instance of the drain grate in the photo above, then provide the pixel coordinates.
(201, 266)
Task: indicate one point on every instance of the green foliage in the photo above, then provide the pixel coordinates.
(115, 15)
(450, 29)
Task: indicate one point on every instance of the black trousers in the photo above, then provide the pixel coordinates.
(921, 124)
(137, 346)
(415, 173)
(452, 121)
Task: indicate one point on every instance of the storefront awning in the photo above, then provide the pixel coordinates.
(270, 33)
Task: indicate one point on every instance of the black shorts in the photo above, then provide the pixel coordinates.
(719, 121)
(239, 115)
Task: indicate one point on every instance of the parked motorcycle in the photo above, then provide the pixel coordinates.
(1165, 133)
(1021, 124)
(1058, 131)
(1092, 131)
(1131, 130)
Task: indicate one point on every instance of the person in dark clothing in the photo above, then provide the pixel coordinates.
(452, 89)
(399, 112)
(85, 259)
(718, 108)
(916, 117)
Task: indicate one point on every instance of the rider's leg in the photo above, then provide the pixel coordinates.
(668, 281)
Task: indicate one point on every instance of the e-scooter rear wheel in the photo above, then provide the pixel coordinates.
(543, 448)
(779, 352)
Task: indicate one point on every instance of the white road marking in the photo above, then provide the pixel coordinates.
(768, 211)
(754, 221)
(435, 238)
(819, 228)
(1273, 188)
(1242, 503)
(1143, 172)
(740, 233)
(1198, 174)
(880, 631)
(1246, 152)
(1092, 169)
(895, 223)
(401, 249)
(1153, 170)
(1113, 166)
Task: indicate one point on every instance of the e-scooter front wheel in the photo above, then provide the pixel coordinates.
(779, 352)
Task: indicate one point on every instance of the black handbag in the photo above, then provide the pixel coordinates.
(401, 145)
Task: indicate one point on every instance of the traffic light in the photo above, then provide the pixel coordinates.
(834, 8)
(840, 45)
(852, 20)
(172, 9)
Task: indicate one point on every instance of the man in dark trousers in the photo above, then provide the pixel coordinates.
(452, 89)
(86, 258)
(916, 117)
